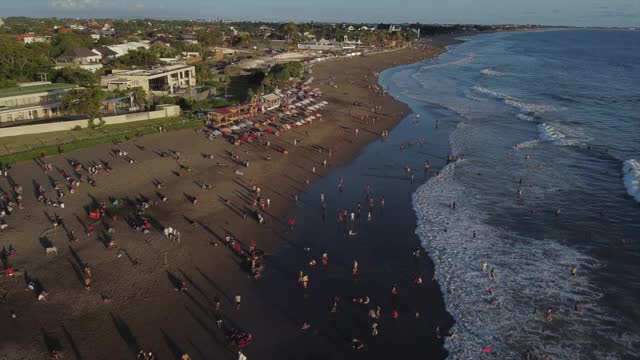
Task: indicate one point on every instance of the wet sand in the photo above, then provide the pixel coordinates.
(146, 310)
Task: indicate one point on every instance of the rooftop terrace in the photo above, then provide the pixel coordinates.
(27, 90)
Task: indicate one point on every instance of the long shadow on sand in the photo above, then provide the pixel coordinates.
(126, 334)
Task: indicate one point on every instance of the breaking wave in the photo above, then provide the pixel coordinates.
(631, 170)
(526, 107)
(490, 72)
(532, 274)
(465, 60)
(527, 144)
(524, 117)
(562, 135)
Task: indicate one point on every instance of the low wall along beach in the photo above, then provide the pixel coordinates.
(165, 112)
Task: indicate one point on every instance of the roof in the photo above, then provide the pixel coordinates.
(80, 52)
(26, 90)
(223, 111)
(21, 37)
(155, 71)
(105, 51)
(271, 97)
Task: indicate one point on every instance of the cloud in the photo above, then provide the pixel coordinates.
(74, 4)
(139, 6)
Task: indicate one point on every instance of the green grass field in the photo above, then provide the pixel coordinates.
(21, 148)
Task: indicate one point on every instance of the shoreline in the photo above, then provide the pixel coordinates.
(140, 277)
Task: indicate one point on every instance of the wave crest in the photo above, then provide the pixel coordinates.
(631, 170)
(532, 274)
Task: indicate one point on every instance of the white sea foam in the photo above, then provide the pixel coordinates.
(462, 61)
(631, 171)
(532, 274)
(490, 72)
(524, 117)
(527, 144)
(562, 134)
(528, 107)
(523, 106)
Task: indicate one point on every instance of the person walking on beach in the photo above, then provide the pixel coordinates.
(216, 301)
(484, 265)
(238, 300)
(374, 329)
(325, 259)
(395, 314)
(87, 276)
(355, 268)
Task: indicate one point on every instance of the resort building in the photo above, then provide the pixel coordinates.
(32, 101)
(165, 80)
(231, 114)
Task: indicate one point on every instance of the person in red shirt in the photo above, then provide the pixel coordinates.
(252, 245)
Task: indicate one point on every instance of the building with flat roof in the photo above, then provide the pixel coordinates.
(269, 101)
(164, 80)
(32, 101)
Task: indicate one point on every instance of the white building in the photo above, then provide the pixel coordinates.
(32, 101)
(164, 80)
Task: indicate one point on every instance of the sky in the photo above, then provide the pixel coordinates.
(545, 12)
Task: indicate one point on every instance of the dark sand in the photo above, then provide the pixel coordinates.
(147, 312)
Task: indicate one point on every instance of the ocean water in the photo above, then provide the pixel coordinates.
(556, 114)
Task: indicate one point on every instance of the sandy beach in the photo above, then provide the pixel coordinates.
(141, 276)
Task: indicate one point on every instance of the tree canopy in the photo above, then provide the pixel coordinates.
(76, 75)
(139, 57)
(87, 101)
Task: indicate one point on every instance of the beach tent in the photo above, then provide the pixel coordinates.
(217, 133)
(225, 131)
(244, 138)
(235, 127)
(95, 215)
